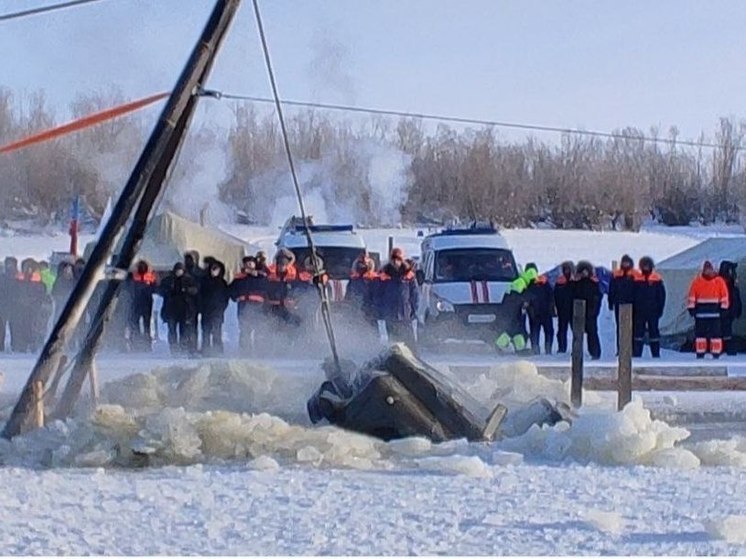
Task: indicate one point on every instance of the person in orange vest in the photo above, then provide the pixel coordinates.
(280, 285)
(649, 300)
(35, 306)
(586, 288)
(540, 309)
(622, 289)
(143, 284)
(361, 291)
(249, 290)
(563, 302)
(398, 295)
(708, 300)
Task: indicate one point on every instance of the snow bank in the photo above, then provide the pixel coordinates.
(730, 452)
(611, 523)
(731, 529)
(217, 411)
(610, 438)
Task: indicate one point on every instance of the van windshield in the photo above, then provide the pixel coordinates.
(338, 261)
(468, 264)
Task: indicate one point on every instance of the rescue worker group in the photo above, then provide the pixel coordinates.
(270, 300)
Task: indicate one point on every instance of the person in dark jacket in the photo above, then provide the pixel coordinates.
(361, 290)
(63, 286)
(78, 268)
(262, 266)
(179, 291)
(649, 302)
(215, 296)
(33, 295)
(621, 289)
(563, 303)
(540, 309)
(398, 297)
(734, 311)
(9, 304)
(249, 290)
(142, 286)
(281, 284)
(586, 288)
(193, 269)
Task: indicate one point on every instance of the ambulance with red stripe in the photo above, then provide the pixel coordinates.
(337, 245)
(464, 274)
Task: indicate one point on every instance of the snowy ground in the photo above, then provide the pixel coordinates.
(237, 469)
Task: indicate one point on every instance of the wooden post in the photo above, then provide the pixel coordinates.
(614, 265)
(391, 246)
(625, 356)
(38, 404)
(578, 332)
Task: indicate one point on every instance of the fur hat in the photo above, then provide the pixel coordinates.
(585, 266)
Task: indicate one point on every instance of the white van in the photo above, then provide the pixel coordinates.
(337, 245)
(465, 273)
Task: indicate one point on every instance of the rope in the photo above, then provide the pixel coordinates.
(45, 9)
(81, 123)
(463, 120)
(325, 308)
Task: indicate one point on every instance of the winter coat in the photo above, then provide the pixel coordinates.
(361, 292)
(563, 297)
(588, 290)
(214, 297)
(249, 291)
(142, 287)
(397, 294)
(727, 272)
(540, 298)
(622, 288)
(179, 298)
(708, 297)
(280, 287)
(10, 290)
(61, 291)
(649, 295)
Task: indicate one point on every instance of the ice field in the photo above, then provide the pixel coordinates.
(234, 467)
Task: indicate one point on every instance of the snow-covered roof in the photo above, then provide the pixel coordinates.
(344, 239)
(445, 242)
(715, 249)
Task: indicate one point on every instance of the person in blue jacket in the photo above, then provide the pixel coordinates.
(649, 302)
(397, 298)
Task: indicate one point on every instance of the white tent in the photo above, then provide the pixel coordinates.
(678, 272)
(169, 236)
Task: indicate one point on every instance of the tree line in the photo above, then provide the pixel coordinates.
(440, 172)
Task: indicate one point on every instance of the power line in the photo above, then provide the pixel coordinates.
(461, 120)
(45, 9)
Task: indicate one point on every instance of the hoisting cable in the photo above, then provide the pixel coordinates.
(45, 9)
(218, 95)
(317, 271)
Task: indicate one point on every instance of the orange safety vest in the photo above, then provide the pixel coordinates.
(708, 297)
(148, 278)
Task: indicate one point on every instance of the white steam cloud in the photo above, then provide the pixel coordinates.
(366, 185)
(194, 189)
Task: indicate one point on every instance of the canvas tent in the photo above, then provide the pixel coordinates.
(169, 236)
(678, 272)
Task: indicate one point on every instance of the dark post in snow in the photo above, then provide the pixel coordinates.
(147, 166)
(391, 247)
(625, 356)
(578, 332)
